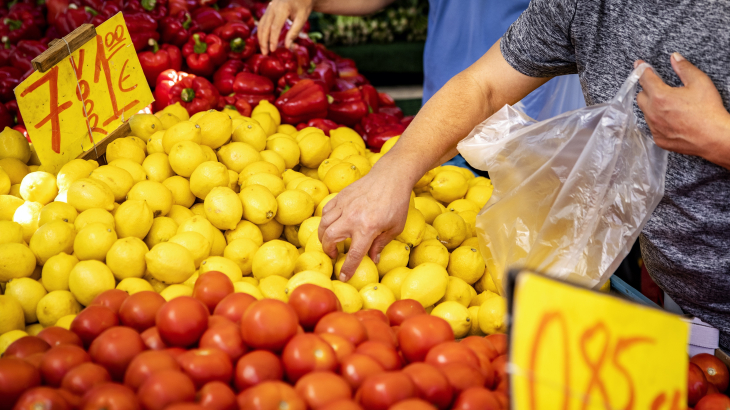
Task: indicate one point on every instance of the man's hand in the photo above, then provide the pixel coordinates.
(690, 120)
(274, 19)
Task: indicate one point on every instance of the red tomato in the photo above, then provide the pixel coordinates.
(311, 303)
(151, 338)
(715, 370)
(216, 396)
(182, 321)
(226, 337)
(715, 401)
(500, 368)
(35, 359)
(711, 389)
(378, 331)
(165, 387)
(92, 321)
(74, 401)
(384, 354)
(502, 398)
(215, 321)
(268, 324)
(401, 310)
(431, 384)
(16, 376)
(321, 388)
(696, 384)
(339, 344)
(356, 367)
(418, 334)
(83, 377)
(372, 314)
(147, 363)
(480, 345)
(476, 398)
(55, 335)
(44, 398)
(206, 365)
(412, 404)
(233, 306)
(139, 310)
(346, 404)
(185, 406)
(462, 376)
(499, 342)
(111, 298)
(175, 351)
(257, 367)
(26, 346)
(270, 395)
(451, 352)
(342, 324)
(59, 360)
(307, 353)
(382, 390)
(115, 349)
(211, 287)
(110, 396)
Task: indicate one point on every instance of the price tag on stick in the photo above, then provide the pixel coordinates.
(573, 348)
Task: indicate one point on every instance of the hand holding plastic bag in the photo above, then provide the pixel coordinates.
(572, 193)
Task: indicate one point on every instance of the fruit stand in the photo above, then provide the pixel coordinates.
(168, 257)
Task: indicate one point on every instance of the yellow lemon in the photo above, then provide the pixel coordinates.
(474, 330)
(16, 261)
(157, 166)
(287, 149)
(167, 119)
(88, 279)
(451, 228)
(248, 288)
(162, 229)
(28, 293)
(51, 239)
(294, 207)
(133, 218)
(374, 158)
(245, 229)
(10, 232)
(16, 170)
(310, 172)
(362, 163)
(157, 196)
(479, 181)
(272, 182)
(426, 284)
(461, 205)
(134, 285)
(255, 282)
(448, 186)
(210, 155)
(470, 220)
(177, 110)
(14, 145)
(291, 233)
(458, 291)
(223, 265)
(6, 339)
(241, 252)
(11, 315)
(14, 189)
(492, 313)
(314, 148)
(274, 258)
(182, 131)
(179, 213)
(365, 273)
(271, 230)
(466, 263)
(467, 174)
(259, 204)
(207, 176)
(191, 280)
(135, 170)
(5, 184)
(426, 179)
(309, 227)
(486, 282)
(480, 194)
(428, 207)
(195, 117)
(316, 189)
(275, 287)
(8, 205)
(238, 155)
(389, 144)
(299, 135)
(194, 242)
(180, 189)
(345, 150)
(260, 167)
(223, 208)
(233, 181)
(266, 107)
(198, 209)
(290, 175)
(431, 251)
(169, 263)
(325, 166)
(215, 128)
(94, 215)
(117, 179)
(321, 205)
(274, 159)
(340, 176)
(144, 125)
(87, 193)
(394, 255)
(185, 157)
(250, 132)
(377, 296)
(123, 148)
(175, 291)
(219, 243)
(348, 296)
(154, 143)
(415, 228)
(33, 329)
(394, 280)
(139, 141)
(295, 182)
(344, 134)
(286, 129)
(125, 258)
(73, 170)
(267, 122)
(457, 315)
(472, 242)
(54, 275)
(308, 277)
(27, 215)
(55, 305)
(314, 261)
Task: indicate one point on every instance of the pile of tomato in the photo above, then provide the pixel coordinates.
(222, 350)
(707, 378)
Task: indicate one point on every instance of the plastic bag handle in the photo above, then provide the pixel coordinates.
(628, 89)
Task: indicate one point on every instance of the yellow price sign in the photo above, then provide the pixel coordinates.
(572, 348)
(84, 97)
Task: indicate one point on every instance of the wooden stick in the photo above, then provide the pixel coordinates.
(121, 132)
(58, 50)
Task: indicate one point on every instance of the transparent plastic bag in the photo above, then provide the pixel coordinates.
(572, 193)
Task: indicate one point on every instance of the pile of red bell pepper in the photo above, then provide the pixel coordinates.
(205, 55)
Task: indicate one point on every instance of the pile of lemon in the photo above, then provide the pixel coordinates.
(221, 192)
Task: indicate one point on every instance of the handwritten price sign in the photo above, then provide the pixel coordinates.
(85, 97)
(573, 348)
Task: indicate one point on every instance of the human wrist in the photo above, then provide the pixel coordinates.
(718, 150)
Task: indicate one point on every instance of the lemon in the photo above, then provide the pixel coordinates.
(134, 285)
(88, 279)
(291, 233)
(6, 339)
(314, 148)
(122, 148)
(266, 107)
(344, 134)
(492, 314)
(162, 229)
(219, 243)
(474, 329)
(316, 189)
(155, 194)
(144, 125)
(10, 232)
(16, 261)
(479, 181)
(238, 155)
(267, 121)
(15, 169)
(250, 132)
(215, 128)
(11, 315)
(294, 206)
(274, 287)
(167, 119)
(191, 280)
(426, 284)
(394, 255)
(309, 227)
(154, 143)
(14, 189)
(180, 189)
(348, 296)
(198, 209)
(295, 182)
(223, 265)
(466, 263)
(451, 228)
(480, 194)
(458, 291)
(259, 204)
(33, 329)
(309, 172)
(272, 182)
(365, 273)
(185, 157)
(321, 205)
(27, 215)
(374, 158)
(125, 258)
(8, 205)
(314, 261)
(117, 179)
(299, 135)
(39, 187)
(87, 193)
(448, 186)
(472, 242)
(207, 176)
(457, 315)
(73, 170)
(175, 291)
(394, 280)
(135, 170)
(462, 205)
(270, 230)
(340, 176)
(287, 148)
(223, 208)
(93, 242)
(55, 272)
(51, 239)
(290, 175)
(286, 129)
(157, 167)
(28, 293)
(428, 207)
(94, 215)
(389, 144)
(274, 159)
(255, 282)
(414, 229)
(248, 288)
(486, 282)
(257, 168)
(169, 263)
(241, 252)
(5, 184)
(325, 166)
(362, 163)
(308, 277)
(430, 251)
(233, 181)
(133, 218)
(14, 145)
(198, 246)
(345, 150)
(55, 305)
(182, 131)
(377, 296)
(177, 110)
(426, 179)
(274, 258)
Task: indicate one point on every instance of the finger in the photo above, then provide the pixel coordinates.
(358, 250)
(378, 245)
(296, 27)
(277, 23)
(642, 100)
(651, 83)
(263, 30)
(329, 216)
(687, 72)
(336, 233)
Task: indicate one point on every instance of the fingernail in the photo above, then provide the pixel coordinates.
(677, 57)
(343, 277)
(377, 258)
(636, 63)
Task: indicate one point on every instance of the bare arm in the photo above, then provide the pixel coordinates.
(372, 211)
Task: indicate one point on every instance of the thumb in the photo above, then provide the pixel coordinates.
(686, 71)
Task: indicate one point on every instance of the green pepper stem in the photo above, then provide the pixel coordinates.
(188, 21)
(13, 24)
(231, 107)
(237, 45)
(148, 5)
(187, 94)
(200, 47)
(91, 11)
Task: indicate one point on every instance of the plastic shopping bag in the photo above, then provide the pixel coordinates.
(571, 194)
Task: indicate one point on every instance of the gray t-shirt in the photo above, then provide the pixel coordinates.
(686, 244)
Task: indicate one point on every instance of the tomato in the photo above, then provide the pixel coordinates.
(165, 387)
(216, 321)
(431, 384)
(384, 354)
(226, 337)
(74, 400)
(185, 406)
(175, 351)
(462, 376)
(356, 367)
(311, 303)
(35, 359)
(83, 377)
(480, 345)
(268, 324)
(476, 398)
(342, 324)
(233, 306)
(151, 338)
(55, 335)
(206, 365)
(306, 353)
(339, 344)
(412, 404)
(257, 367)
(372, 314)
(321, 388)
(715, 401)
(182, 321)
(16, 376)
(711, 389)
(403, 309)
(26, 346)
(500, 368)
(44, 398)
(342, 405)
(216, 396)
(138, 311)
(418, 334)
(211, 288)
(112, 298)
(59, 360)
(382, 390)
(115, 349)
(110, 396)
(499, 342)
(451, 352)
(378, 331)
(502, 398)
(715, 370)
(696, 384)
(92, 321)
(270, 395)
(147, 363)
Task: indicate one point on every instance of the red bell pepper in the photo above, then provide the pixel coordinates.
(286, 82)
(204, 53)
(195, 94)
(406, 121)
(306, 100)
(176, 6)
(376, 128)
(6, 50)
(71, 18)
(370, 96)
(376, 141)
(322, 124)
(238, 37)
(225, 75)
(164, 83)
(105, 10)
(347, 107)
(37, 12)
(157, 9)
(176, 29)
(321, 54)
(159, 59)
(12, 106)
(19, 25)
(322, 73)
(386, 100)
(9, 79)
(394, 111)
(302, 56)
(208, 19)
(254, 62)
(253, 88)
(6, 118)
(287, 58)
(142, 27)
(237, 103)
(21, 129)
(26, 51)
(236, 14)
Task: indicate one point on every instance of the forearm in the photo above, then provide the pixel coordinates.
(718, 150)
(350, 7)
